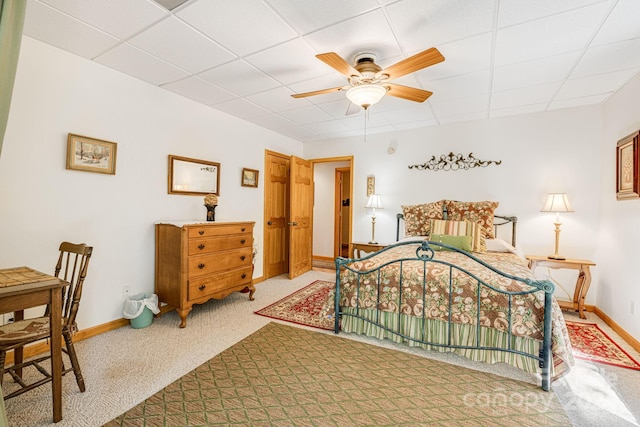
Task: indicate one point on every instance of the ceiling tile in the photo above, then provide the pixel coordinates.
(443, 107)
(317, 14)
(513, 12)
(369, 32)
(411, 113)
(278, 99)
(532, 73)
(421, 25)
(240, 78)
(305, 115)
(548, 36)
(576, 102)
(57, 29)
(336, 109)
(273, 121)
(622, 24)
(137, 63)
(612, 57)
(594, 85)
(415, 125)
(242, 26)
(199, 90)
(290, 62)
(181, 45)
(524, 96)
(460, 86)
(460, 57)
(328, 127)
(523, 109)
(462, 118)
(241, 108)
(297, 132)
(120, 18)
(362, 120)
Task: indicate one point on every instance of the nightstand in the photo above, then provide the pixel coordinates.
(364, 247)
(582, 284)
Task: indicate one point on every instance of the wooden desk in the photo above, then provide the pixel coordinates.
(364, 247)
(23, 287)
(582, 284)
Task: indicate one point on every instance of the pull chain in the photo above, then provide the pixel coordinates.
(366, 119)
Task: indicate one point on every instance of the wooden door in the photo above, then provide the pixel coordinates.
(342, 206)
(276, 214)
(301, 217)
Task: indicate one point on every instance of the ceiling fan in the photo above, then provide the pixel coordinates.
(368, 82)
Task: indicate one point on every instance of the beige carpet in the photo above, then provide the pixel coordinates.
(283, 375)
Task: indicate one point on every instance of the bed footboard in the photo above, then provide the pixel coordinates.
(397, 293)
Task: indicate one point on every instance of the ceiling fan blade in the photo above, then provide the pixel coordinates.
(413, 63)
(408, 93)
(336, 62)
(317, 92)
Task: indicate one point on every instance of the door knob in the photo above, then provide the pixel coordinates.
(269, 222)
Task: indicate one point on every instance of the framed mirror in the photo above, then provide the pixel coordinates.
(193, 176)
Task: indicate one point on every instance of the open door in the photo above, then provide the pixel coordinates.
(301, 217)
(276, 214)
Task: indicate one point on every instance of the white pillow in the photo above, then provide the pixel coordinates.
(499, 245)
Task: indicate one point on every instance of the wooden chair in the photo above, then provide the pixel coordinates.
(72, 266)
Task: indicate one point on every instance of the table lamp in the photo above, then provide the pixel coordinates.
(373, 203)
(557, 203)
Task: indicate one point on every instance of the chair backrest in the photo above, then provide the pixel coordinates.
(72, 267)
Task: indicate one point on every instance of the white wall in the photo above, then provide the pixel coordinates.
(540, 153)
(42, 203)
(619, 258)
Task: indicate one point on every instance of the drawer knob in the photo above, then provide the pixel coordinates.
(243, 275)
(201, 232)
(201, 266)
(243, 257)
(201, 246)
(242, 229)
(201, 287)
(242, 242)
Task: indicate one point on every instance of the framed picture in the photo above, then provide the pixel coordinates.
(371, 185)
(192, 176)
(627, 165)
(249, 177)
(91, 155)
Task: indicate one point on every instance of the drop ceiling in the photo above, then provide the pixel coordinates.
(246, 57)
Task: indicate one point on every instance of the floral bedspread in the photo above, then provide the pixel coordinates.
(385, 290)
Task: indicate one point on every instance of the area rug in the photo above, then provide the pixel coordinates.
(307, 306)
(284, 375)
(590, 343)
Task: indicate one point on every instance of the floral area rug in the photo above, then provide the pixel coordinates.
(309, 306)
(590, 343)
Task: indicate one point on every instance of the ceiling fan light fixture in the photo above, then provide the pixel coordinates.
(366, 95)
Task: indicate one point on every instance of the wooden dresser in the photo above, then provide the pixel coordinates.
(196, 262)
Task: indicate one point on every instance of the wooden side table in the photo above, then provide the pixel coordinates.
(364, 247)
(582, 284)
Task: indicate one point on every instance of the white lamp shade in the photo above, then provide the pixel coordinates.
(366, 95)
(374, 202)
(557, 202)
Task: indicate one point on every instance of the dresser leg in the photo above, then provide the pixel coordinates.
(183, 312)
(252, 290)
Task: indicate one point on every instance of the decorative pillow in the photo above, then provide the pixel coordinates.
(478, 212)
(460, 242)
(460, 228)
(416, 217)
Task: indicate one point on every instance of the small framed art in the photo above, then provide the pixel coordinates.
(249, 177)
(91, 155)
(371, 185)
(627, 165)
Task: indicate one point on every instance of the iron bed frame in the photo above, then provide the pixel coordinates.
(424, 252)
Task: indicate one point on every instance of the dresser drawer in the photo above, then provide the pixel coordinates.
(205, 286)
(206, 230)
(218, 261)
(222, 243)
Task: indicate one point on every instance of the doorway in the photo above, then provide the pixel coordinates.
(342, 212)
(279, 200)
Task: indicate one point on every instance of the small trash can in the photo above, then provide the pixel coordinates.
(140, 309)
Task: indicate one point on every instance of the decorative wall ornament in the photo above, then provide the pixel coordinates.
(454, 162)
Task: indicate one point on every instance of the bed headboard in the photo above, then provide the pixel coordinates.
(498, 221)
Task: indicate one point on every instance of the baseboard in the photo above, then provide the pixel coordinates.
(618, 329)
(323, 258)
